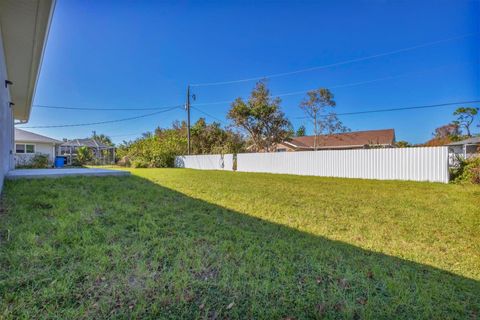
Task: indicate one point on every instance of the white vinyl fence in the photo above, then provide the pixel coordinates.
(418, 164)
(206, 162)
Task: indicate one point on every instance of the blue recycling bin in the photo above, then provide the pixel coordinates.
(59, 162)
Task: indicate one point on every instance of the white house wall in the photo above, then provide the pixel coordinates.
(6, 120)
(42, 148)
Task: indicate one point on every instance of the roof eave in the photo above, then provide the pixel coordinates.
(24, 25)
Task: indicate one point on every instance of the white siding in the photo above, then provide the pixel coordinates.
(418, 164)
(6, 120)
(43, 148)
(206, 162)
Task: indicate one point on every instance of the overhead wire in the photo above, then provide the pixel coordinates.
(208, 114)
(343, 85)
(103, 108)
(102, 122)
(166, 109)
(400, 108)
(378, 110)
(325, 66)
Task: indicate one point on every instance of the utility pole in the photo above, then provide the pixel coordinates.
(187, 106)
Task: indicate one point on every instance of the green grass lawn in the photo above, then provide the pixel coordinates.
(178, 243)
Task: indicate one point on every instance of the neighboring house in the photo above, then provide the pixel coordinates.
(465, 149)
(341, 141)
(101, 153)
(24, 27)
(27, 144)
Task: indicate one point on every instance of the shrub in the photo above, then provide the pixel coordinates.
(139, 163)
(468, 171)
(76, 163)
(153, 151)
(39, 161)
(159, 149)
(163, 160)
(124, 162)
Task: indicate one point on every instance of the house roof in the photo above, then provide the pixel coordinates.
(348, 139)
(472, 140)
(24, 28)
(90, 143)
(27, 136)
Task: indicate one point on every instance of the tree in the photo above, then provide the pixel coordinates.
(448, 130)
(212, 138)
(315, 106)
(465, 117)
(402, 144)
(444, 135)
(147, 134)
(84, 155)
(159, 149)
(261, 118)
(301, 131)
(102, 138)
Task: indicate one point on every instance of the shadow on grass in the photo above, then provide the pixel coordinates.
(127, 247)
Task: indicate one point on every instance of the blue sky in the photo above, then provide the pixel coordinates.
(138, 54)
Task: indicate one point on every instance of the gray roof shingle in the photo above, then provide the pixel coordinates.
(472, 140)
(27, 136)
(91, 143)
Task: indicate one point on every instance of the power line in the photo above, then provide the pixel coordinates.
(101, 108)
(387, 109)
(212, 103)
(140, 133)
(343, 85)
(208, 114)
(276, 75)
(400, 108)
(380, 110)
(101, 122)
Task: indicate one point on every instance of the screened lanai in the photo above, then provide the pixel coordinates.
(101, 153)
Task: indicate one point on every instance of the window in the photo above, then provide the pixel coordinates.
(30, 148)
(281, 150)
(24, 148)
(19, 148)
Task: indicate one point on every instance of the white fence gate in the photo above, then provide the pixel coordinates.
(418, 164)
(206, 162)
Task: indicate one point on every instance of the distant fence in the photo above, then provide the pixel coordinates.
(416, 164)
(206, 162)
